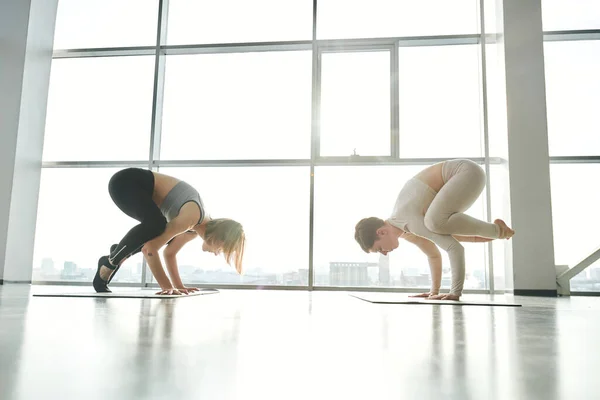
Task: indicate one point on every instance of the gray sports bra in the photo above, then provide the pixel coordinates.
(177, 197)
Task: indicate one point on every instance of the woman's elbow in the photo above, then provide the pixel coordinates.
(169, 253)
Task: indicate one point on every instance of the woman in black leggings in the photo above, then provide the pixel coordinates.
(170, 212)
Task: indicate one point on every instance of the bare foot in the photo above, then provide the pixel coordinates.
(505, 231)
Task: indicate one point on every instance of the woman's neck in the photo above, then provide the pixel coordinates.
(201, 228)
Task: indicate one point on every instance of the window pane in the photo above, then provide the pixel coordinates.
(561, 15)
(440, 113)
(572, 97)
(355, 104)
(272, 203)
(575, 219)
(77, 222)
(226, 21)
(237, 106)
(496, 102)
(491, 15)
(345, 195)
(99, 109)
(340, 19)
(105, 23)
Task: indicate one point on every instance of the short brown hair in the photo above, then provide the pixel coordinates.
(365, 232)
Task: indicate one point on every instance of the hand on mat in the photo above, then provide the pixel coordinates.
(425, 295)
(169, 292)
(445, 297)
(188, 290)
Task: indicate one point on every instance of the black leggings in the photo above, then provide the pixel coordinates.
(131, 190)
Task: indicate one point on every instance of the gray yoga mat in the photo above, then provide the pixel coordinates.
(126, 294)
(397, 298)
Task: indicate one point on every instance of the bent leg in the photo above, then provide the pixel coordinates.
(131, 190)
(464, 181)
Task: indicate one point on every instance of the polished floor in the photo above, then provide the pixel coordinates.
(294, 345)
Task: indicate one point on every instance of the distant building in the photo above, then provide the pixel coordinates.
(69, 271)
(138, 269)
(414, 278)
(303, 272)
(384, 270)
(349, 273)
(48, 266)
(69, 268)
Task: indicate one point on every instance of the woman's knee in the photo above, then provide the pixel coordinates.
(476, 172)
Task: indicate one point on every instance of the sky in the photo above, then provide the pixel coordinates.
(258, 106)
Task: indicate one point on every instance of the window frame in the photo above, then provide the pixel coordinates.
(160, 50)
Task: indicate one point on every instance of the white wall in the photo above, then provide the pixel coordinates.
(26, 37)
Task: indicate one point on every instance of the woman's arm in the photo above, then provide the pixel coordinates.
(456, 253)
(434, 258)
(188, 216)
(170, 256)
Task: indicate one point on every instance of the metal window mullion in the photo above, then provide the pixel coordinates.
(314, 144)
(574, 159)
(571, 35)
(157, 99)
(329, 161)
(486, 145)
(330, 45)
(159, 83)
(395, 102)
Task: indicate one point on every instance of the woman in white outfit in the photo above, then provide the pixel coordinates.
(429, 212)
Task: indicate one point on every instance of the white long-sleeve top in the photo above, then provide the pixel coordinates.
(409, 215)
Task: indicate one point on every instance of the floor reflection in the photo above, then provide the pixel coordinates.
(265, 345)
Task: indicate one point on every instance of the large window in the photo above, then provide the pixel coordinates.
(345, 195)
(105, 23)
(237, 106)
(440, 81)
(355, 104)
(575, 199)
(99, 109)
(572, 61)
(272, 204)
(343, 19)
(561, 15)
(242, 101)
(76, 225)
(229, 21)
(572, 97)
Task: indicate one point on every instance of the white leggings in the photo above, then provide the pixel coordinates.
(464, 181)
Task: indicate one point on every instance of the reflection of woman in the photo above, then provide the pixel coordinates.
(429, 211)
(170, 212)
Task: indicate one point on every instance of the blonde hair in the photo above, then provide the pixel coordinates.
(231, 234)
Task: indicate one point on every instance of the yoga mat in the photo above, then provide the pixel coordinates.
(398, 298)
(126, 294)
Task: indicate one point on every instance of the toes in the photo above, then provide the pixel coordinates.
(505, 231)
